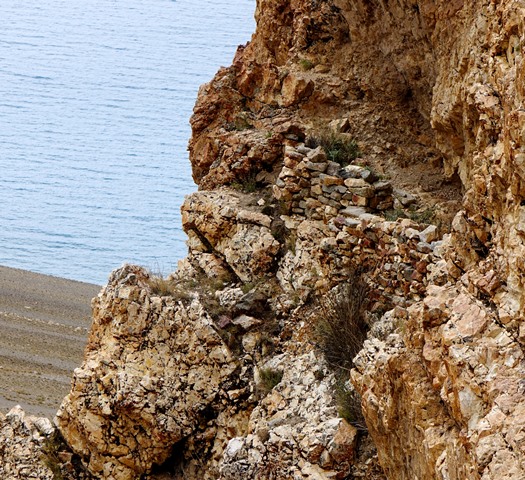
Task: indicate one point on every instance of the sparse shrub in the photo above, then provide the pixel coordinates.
(268, 379)
(425, 216)
(57, 456)
(161, 286)
(246, 287)
(50, 451)
(248, 184)
(166, 287)
(291, 242)
(349, 405)
(231, 335)
(339, 147)
(306, 64)
(393, 214)
(279, 230)
(342, 327)
(339, 333)
(239, 124)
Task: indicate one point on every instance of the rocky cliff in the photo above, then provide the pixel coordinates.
(351, 304)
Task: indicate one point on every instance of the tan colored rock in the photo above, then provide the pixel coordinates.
(153, 367)
(294, 429)
(420, 85)
(22, 438)
(241, 237)
(295, 88)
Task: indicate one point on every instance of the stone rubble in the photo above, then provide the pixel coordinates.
(22, 438)
(294, 432)
(433, 94)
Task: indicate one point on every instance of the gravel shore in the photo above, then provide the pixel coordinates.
(44, 323)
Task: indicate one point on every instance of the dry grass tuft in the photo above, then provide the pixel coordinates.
(166, 287)
(268, 379)
(339, 333)
(341, 329)
(339, 147)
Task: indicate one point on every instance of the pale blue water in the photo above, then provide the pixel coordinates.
(95, 98)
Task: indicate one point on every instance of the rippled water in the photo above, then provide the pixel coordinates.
(95, 98)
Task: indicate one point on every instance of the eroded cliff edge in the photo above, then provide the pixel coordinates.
(217, 371)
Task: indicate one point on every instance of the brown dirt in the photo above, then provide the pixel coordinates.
(44, 322)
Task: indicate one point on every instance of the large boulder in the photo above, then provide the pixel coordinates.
(155, 371)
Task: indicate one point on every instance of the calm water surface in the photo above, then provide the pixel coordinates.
(95, 98)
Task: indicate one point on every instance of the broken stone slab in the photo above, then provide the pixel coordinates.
(255, 218)
(340, 125)
(329, 180)
(424, 247)
(383, 187)
(313, 166)
(405, 198)
(334, 188)
(356, 183)
(430, 234)
(303, 149)
(351, 171)
(327, 244)
(411, 233)
(291, 152)
(369, 176)
(359, 172)
(355, 212)
(367, 192)
(246, 322)
(287, 172)
(359, 200)
(333, 168)
(317, 155)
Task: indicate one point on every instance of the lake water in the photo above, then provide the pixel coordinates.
(95, 99)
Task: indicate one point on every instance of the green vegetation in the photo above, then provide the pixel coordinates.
(339, 332)
(349, 405)
(424, 216)
(58, 457)
(339, 147)
(268, 379)
(50, 458)
(247, 184)
(395, 213)
(306, 64)
(342, 327)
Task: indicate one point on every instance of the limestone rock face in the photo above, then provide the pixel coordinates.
(22, 438)
(429, 212)
(235, 233)
(454, 380)
(295, 431)
(154, 372)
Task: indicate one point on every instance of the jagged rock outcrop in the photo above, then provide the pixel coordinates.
(22, 440)
(155, 372)
(295, 431)
(456, 70)
(433, 93)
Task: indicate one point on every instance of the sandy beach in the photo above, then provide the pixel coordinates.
(44, 323)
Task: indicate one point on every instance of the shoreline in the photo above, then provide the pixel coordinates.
(44, 322)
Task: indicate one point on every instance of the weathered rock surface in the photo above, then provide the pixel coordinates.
(21, 440)
(295, 431)
(240, 236)
(155, 371)
(433, 93)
